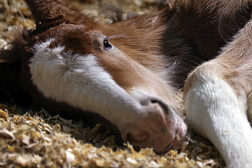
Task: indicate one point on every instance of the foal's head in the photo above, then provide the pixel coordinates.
(116, 71)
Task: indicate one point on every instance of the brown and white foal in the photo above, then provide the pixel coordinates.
(129, 72)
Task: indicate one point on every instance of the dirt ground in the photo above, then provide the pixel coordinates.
(31, 138)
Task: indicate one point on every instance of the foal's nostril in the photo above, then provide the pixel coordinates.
(162, 104)
(153, 100)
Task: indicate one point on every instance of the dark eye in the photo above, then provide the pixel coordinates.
(106, 44)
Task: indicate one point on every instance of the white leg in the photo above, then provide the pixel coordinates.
(214, 110)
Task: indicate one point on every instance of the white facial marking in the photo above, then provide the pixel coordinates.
(79, 81)
(214, 110)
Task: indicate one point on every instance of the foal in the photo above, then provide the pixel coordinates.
(129, 72)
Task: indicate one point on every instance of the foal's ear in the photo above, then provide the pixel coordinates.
(47, 12)
(8, 56)
(51, 13)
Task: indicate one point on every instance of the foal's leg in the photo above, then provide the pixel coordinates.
(218, 100)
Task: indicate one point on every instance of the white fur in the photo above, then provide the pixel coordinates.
(214, 110)
(78, 80)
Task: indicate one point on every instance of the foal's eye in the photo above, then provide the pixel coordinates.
(107, 44)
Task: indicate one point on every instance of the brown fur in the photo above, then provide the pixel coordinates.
(157, 50)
